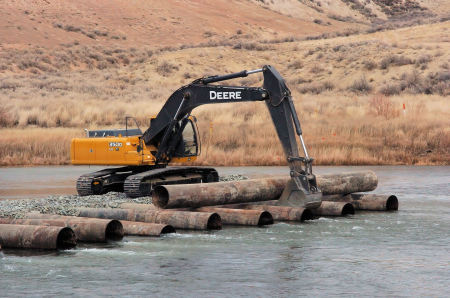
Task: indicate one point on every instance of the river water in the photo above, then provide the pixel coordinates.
(404, 253)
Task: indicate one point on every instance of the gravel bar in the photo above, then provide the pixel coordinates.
(69, 204)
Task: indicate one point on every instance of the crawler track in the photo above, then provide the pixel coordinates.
(141, 184)
(139, 181)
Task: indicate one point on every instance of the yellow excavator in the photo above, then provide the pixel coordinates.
(173, 137)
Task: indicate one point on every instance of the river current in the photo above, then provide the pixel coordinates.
(403, 253)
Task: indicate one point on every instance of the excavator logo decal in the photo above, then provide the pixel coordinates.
(115, 144)
(213, 95)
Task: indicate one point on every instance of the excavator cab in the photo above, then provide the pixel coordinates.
(189, 144)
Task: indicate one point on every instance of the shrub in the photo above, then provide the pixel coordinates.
(381, 105)
(438, 83)
(165, 68)
(6, 119)
(70, 28)
(396, 60)
(369, 64)
(360, 86)
(317, 21)
(412, 82)
(251, 46)
(424, 59)
(390, 89)
(316, 88)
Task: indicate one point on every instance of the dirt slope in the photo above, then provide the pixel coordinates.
(153, 23)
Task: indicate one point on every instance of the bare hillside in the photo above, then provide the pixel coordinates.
(151, 23)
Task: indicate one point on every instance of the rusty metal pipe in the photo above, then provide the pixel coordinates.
(368, 202)
(134, 228)
(346, 183)
(241, 217)
(254, 190)
(36, 237)
(210, 194)
(86, 229)
(279, 213)
(177, 219)
(374, 202)
(334, 209)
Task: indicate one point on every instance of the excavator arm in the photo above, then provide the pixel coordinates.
(164, 130)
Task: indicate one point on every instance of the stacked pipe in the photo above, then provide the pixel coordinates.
(340, 196)
(176, 218)
(251, 202)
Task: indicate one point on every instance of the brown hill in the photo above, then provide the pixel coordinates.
(151, 23)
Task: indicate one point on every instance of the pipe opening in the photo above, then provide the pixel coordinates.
(160, 196)
(348, 209)
(307, 215)
(114, 231)
(265, 219)
(168, 229)
(66, 239)
(214, 222)
(392, 203)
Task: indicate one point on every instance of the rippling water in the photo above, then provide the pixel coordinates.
(404, 253)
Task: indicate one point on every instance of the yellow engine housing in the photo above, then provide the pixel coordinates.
(115, 151)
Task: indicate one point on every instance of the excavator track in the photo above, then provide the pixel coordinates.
(106, 180)
(140, 185)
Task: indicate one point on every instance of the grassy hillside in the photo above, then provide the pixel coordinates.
(364, 96)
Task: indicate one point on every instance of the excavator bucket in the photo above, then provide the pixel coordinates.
(295, 195)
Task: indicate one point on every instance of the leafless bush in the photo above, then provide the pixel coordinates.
(251, 46)
(395, 60)
(390, 89)
(381, 105)
(424, 59)
(412, 82)
(360, 86)
(165, 68)
(6, 119)
(318, 21)
(438, 83)
(369, 64)
(316, 88)
(70, 28)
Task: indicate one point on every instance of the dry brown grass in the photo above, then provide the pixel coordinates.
(44, 110)
(36, 146)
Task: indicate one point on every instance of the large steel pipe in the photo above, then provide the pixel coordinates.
(374, 202)
(220, 193)
(134, 228)
(368, 202)
(177, 219)
(226, 218)
(36, 237)
(334, 209)
(241, 217)
(86, 229)
(279, 213)
(346, 183)
(254, 190)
